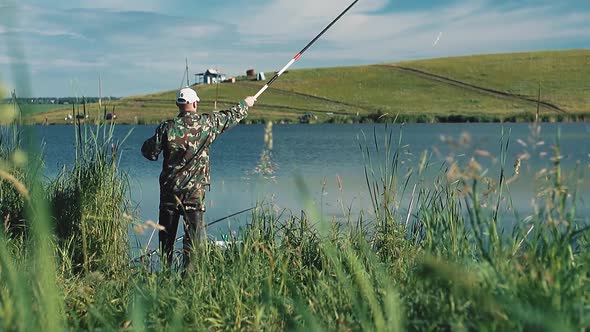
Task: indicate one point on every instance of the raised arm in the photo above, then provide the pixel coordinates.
(226, 119)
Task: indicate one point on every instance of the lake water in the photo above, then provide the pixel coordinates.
(329, 160)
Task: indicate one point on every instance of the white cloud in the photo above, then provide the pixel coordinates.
(73, 63)
(367, 27)
(286, 19)
(362, 35)
(190, 31)
(5, 60)
(142, 45)
(118, 5)
(43, 32)
(170, 63)
(12, 60)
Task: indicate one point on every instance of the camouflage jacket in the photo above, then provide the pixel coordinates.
(185, 142)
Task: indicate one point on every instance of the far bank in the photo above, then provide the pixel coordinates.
(549, 86)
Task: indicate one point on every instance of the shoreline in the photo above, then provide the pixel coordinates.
(436, 119)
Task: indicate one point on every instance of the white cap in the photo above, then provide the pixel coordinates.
(186, 96)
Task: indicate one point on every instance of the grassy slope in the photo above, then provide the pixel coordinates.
(563, 75)
(373, 89)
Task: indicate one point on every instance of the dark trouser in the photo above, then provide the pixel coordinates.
(193, 230)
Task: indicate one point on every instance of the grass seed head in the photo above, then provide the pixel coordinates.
(7, 114)
(19, 158)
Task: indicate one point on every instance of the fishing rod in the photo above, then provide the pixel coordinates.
(298, 55)
(152, 252)
(227, 217)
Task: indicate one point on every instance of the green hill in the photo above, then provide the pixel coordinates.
(499, 87)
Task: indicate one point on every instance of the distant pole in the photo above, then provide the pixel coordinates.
(216, 94)
(16, 108)
(538, 104)
(99, 92)
(14, 99)
(187, 78)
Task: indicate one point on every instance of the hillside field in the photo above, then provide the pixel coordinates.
(497, 87)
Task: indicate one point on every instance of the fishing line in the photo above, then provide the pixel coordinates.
(154, 251)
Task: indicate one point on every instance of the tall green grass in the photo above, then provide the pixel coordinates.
(89, 202)
(425, 256)
(29, 297)
(13, 202)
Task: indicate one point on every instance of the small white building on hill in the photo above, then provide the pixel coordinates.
(211, 76)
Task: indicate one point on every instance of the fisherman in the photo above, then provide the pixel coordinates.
(185, 141)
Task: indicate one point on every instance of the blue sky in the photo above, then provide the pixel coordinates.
(61, 47)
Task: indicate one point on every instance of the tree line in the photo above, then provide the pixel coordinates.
(58, 100)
